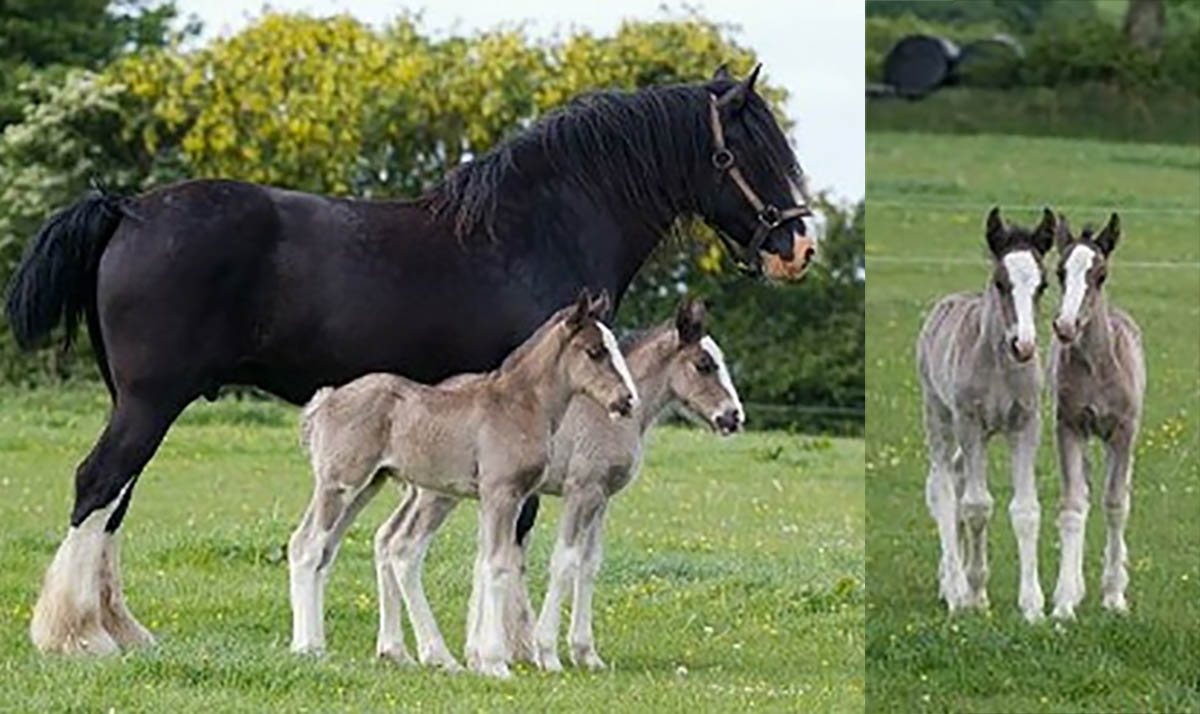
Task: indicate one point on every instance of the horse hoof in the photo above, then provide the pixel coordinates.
(396, 655)
(1115, 602)
(585, 657)
(498, 669)
(1063, 611)
(442, 660)
(547, 660)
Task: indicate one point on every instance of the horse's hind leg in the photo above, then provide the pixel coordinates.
(389, 642)
(314, 546)
(81, 607)
(1072, 520)
(1119, 462)
(406, 537)
(581, 637)
(941, 496)
(1026, 515)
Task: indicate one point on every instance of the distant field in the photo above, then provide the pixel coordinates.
(927, 198)
(733, 579)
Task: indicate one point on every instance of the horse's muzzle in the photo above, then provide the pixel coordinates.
(804, 251)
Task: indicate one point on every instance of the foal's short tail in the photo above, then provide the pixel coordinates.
(310, 411)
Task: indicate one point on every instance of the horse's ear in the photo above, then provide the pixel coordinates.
(1043, 235)
(599, 306)
(722, 73)
(996, 233)
(1062, 235)
(1107, 240)
(735, 97)
(579, 312)
(690, 320)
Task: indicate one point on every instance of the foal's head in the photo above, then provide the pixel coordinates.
(759, 195)
(1018, 278)
(1082, 268)
(698, 378)
(591, 359)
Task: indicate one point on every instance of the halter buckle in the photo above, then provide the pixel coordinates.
(722, 158)
(770, 216)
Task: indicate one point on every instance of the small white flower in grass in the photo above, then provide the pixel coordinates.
(681, 671)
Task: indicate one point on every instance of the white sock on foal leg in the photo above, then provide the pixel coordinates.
(68, 617)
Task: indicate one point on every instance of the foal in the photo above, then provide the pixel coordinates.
(1098, 374)
(486, 436)
(593, 458)
(978, 367)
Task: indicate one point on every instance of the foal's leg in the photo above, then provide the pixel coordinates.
(941, 496)
(1072, 520)
(81, 608)
(498, 516)
(314, 546)
(564, 569)
(389, 643)
(1119, 462)
(405, 551)
(581, 637)
(1026, 515)
(975, 510)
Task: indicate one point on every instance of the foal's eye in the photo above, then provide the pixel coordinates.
(706, 366)
(1100, 279)
(1062, 275)
(596, 352)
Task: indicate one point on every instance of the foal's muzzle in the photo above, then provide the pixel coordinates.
(728, 421)
(622, 406)
(1065, 330)
(1022, 351)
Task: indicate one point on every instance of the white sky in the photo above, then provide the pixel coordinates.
(812, 47)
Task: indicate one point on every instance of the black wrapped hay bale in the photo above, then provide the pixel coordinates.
(919, 64)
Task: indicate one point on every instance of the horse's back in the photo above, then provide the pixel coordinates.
(952, 323)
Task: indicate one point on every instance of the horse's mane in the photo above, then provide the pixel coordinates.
(639, 148)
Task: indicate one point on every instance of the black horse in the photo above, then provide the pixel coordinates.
(209, 283)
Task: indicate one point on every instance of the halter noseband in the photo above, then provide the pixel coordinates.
(769, 216)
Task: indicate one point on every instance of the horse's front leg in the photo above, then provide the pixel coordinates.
(1026, 515)
(942, 496)
(564, 569)
(581, 637)
(499, 507)
(1119, 462)
(975, 510)
(1072, 520)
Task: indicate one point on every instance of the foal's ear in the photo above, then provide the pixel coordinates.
(1043, 235)
(579, 312)
(1062, 234)
(690, 320)
(1107, 240)
(996, 232)
(722, 73)
(598, 307)
(736, 96)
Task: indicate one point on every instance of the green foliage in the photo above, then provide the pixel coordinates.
(926, 240)
(884, 31)
(37, 36)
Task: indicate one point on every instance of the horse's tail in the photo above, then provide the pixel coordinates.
(56, 281)
(308, 415)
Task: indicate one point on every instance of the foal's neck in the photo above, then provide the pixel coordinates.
(1095, 342)
(992, 330)
(648, 368)
(534, 375)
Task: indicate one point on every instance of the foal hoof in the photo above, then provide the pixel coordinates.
(498, 669)
(546, 658)
(1063, 611)
(397, 656)
(588, 659)
(1115, 602)
(442, 660)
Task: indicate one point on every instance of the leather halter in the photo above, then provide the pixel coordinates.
(769, 216)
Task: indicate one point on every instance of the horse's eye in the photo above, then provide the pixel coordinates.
(596, 352)
(706, 366)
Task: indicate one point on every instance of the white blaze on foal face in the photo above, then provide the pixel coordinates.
(1025, 279)
(1075, 286)
(713, 350)
(618, 360)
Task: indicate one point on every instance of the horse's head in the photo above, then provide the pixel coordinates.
(759, 198)
(592, 360)
(1018, 277)
(1082, 268)
(698, 378)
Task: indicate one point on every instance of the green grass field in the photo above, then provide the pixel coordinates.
(928, 195)
(733, 578)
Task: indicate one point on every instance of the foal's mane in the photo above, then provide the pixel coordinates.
(639, 148)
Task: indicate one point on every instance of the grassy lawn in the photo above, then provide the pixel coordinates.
(733, 578)
(928, 196)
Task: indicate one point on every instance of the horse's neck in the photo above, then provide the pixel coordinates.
(536, 377)
(646, 366)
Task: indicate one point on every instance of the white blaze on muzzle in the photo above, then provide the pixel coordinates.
(1075, 287)
(1025, 276)
(618, 361)
(709, 345)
